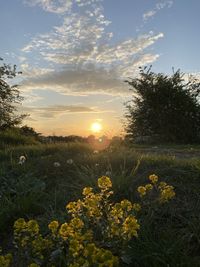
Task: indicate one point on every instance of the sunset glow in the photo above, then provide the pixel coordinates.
(96, 127)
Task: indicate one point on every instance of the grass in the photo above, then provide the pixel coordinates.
(169, 236)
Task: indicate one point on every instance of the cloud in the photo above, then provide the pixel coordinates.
(82, 55)
(58, 6)
(149, 14)
(58, 110)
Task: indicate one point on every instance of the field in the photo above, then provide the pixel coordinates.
(55, 174)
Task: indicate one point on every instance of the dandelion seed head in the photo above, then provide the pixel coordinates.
(70, 161)
(22, 160)
(56, 164)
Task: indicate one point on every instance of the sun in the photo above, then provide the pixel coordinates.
(96, 127)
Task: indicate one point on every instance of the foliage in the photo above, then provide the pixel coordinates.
(29, 131)
(164, 108)
(97, 234)
(14, 137)
(9, 98)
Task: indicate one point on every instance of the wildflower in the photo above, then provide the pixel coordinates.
(104, 183)
(167, 193)
(19, 225)
(22, 160)
(97, 164)
(53, 226)
(76, 223)
(70, 161)
(95, 151)
(142, 191)
(74, 207)
(92, 204)
(149, 187)
(126, 204)
(33, 227)
(153, 178)
(162, 185)
(130, 226)
(87, 191)
(65, 231)
(56, 164)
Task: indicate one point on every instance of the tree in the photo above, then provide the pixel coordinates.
(29, 131)
(163, 108)
(9, 98)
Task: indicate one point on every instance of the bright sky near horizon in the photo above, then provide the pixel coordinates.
(75, 55)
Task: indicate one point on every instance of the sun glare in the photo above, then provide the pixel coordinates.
(96, 127)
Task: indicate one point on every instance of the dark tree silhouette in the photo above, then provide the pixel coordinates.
(9, 98)
(163, 108)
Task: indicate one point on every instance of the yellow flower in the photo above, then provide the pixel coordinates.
(130, 226)
(104, 183)
(77, 223)
(53, 226)
(65, 231)
(74, 207)
(92, 205)
(19, 225)
(149, 187)
(87, 191)
(33, 227)
(126, 204)
(162, 185)
(153, 178)
(116, 213)
(167, 193)
(142, 191)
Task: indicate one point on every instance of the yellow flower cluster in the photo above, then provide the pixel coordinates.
(27, 237)
(165, 191)
(53, 226)
(122, 223)
(153, 178)
(117, 221)
(95, 222)
(93, 256)
(104, 183)
(6, 260)
(92, 203)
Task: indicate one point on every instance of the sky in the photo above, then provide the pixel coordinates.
(75, 55)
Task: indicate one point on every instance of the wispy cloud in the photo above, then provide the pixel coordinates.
(59, 6)
(151, 13)
(58, 110)
(82, 55)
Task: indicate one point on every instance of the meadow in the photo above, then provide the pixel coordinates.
(55, 174)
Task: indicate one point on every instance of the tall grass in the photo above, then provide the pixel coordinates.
(12, 137)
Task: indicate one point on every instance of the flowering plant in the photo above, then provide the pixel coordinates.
(96, 235)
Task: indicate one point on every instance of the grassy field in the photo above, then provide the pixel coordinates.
(169, 235)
